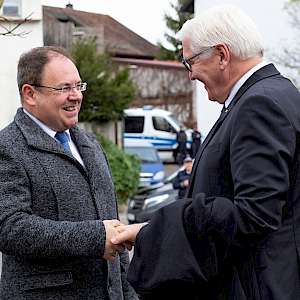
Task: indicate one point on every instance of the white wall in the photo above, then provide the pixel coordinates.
(10, 49)
(272, 21)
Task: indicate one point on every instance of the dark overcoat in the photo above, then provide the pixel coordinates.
(237, 236)
(51, 235)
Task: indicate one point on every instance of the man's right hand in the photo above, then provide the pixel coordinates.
(111, 229)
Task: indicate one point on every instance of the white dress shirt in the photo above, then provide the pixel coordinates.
(242, 80)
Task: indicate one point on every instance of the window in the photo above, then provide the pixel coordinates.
(145, 154)
(162, 124)
(134, 124)
(12, 8)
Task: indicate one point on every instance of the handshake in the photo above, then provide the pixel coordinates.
(119, 237)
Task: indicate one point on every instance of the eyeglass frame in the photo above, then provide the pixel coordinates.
(187, 61)
(80, 87)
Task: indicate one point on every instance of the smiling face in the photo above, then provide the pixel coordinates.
(58, 110)
(211, 69)
(206, 70)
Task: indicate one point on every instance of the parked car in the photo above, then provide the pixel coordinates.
(157, 126)
(152, 169)
(150, 199)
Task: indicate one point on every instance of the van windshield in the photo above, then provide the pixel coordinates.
(174, 119)
(145, 154)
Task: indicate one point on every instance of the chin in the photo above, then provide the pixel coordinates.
(212, 99)
(71, 124)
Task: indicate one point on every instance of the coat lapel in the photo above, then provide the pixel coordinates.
(35, 136)
(264, 72)
(83, 144)
(97, 172)
(204, 145)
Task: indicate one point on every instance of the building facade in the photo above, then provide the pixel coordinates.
(21, 29)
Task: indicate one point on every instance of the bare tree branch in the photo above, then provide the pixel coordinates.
(13, 25)
(285, 55)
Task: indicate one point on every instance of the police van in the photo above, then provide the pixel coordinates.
(157, 126)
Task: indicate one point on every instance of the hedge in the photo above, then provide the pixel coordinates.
(125, 169)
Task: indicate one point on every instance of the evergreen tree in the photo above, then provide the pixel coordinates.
(109, 90)
(174, 24)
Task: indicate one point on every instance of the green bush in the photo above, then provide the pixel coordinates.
(125, 169)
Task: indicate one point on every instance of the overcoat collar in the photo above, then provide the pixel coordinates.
(36, 137)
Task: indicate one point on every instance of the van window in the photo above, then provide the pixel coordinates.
(134, 124)
(145, 154)
(162, 124)
(175, 120)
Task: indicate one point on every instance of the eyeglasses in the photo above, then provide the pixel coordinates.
(187, 61)
(80, 87)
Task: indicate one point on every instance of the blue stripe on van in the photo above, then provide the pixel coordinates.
(156, 141)
(153, 140)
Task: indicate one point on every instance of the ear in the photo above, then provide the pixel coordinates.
(28, 94)
(224, 55)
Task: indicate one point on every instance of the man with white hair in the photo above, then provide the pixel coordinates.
(237, 235)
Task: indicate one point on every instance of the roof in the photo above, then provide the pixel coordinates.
(151, 63)
(119, 40)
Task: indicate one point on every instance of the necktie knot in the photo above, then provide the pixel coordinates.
(63, 138)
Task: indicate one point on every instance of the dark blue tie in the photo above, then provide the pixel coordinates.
(64, 140)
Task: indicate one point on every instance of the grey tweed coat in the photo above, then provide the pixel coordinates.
(51, 234)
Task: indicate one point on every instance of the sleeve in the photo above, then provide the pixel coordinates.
(163, 260)
(24, 233)
(128, 292)
(190, 240)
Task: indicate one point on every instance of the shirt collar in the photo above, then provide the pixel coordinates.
(242, 80)
(44, 127)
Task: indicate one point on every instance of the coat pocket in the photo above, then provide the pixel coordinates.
(44, 280)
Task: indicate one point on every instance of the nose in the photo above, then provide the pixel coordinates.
(75, 94)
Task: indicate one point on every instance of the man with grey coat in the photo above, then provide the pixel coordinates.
(58, 207)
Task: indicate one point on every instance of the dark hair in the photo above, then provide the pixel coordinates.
(32, 63)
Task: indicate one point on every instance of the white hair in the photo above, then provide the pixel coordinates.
(223, 24)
